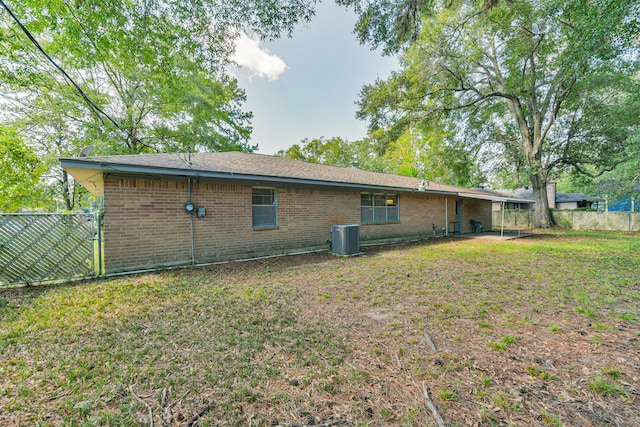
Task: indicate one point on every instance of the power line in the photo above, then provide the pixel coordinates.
(66, 75)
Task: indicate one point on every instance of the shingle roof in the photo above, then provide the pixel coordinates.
(509, 195)
(527, 194)
(520, 193)
(574, 197)
(240, 165)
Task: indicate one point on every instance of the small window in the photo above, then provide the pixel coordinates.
(379, 207)
(265, 207)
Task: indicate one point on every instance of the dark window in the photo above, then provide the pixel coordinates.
(379, 207)
(265, 207)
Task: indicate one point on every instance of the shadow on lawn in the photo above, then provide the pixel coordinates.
(257, 265)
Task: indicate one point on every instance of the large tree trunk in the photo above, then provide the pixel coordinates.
(541, 214)
(66, 196)
(530, 126)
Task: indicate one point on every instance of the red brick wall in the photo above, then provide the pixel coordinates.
(417, 213)
(146, 226)
(477, 209)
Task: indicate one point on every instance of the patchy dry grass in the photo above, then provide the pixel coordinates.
(538, 331)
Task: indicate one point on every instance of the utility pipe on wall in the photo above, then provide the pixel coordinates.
(193, 243)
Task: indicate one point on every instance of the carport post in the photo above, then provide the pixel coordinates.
(502, 225)
(446, 216)
(99, 224)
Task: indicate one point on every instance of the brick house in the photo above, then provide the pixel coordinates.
(175, 209)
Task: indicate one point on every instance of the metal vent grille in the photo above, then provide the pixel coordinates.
(345, 239)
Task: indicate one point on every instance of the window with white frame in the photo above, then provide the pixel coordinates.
(265, 207)
(379, 207)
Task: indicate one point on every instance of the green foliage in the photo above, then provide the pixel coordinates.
(622, 182)
(391, 24)
(156, 76)
(20, 170)
(156, 68)
(338, 152)
(447, 395)
(431, 153)
(538, 87)
(599, 385)
(612, 372)
(541, 373)
(503, 344)
(333, 151)
(422, 153)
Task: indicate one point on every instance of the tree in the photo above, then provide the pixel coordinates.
(413, 143)
(622, 184)
(416, 153)
(154, 77)
(338, 152)
(333, 151)
(20, 185)
(150, 74)
(390, 24)
(535, 76)
(395, 25)
(432, 154)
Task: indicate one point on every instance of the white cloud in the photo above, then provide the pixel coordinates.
(249, 54)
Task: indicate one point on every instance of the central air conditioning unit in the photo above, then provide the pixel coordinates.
(345, 239)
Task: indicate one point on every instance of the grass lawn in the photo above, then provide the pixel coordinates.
(541, 331)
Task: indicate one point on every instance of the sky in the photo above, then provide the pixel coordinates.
(306, 86)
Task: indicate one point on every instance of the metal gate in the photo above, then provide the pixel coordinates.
(49, 247)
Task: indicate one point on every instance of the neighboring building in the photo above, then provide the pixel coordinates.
(509, 199)
(560, 201)
(572, 201)
(176, 209)
(623, 204)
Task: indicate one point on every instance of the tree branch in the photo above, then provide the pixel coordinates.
(145, 404)
(432, 406)
(205, 409)
(559, 100)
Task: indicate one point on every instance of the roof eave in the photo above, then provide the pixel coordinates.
(496, 198)
(116, 168)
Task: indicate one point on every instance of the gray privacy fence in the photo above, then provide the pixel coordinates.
(38, 248)
(513, 219)
(576, 220)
